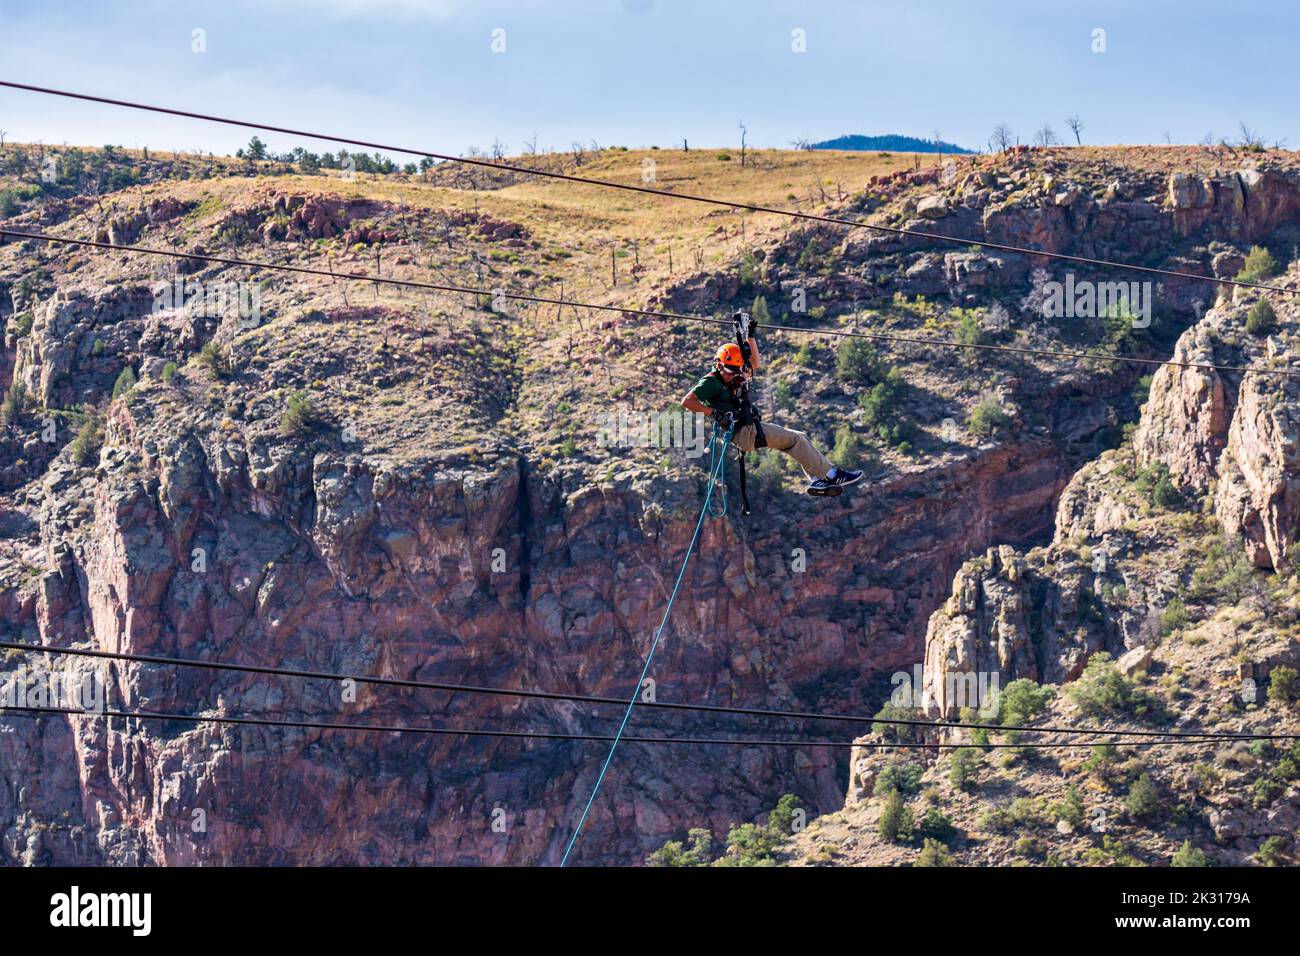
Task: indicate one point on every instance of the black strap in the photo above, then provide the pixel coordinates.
(744, 492)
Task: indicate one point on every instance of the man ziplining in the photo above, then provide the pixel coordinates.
(724, 394)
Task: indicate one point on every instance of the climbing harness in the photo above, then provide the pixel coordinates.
(748, 413)
(708, 495)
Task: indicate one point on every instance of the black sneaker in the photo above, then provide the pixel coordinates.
(830, 487)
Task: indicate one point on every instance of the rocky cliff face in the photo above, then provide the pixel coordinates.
(424, 529)
(1224, 438)
(180, 542)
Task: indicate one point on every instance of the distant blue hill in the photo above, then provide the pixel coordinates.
(893, 141)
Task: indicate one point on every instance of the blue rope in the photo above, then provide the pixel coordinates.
(655, 644)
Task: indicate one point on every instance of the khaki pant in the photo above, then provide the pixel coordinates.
(793, 443)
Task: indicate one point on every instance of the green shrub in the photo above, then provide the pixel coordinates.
(1225, 573)
(1173, 617)
(215, 359)
(896, 733)
(1261, 320)
(699, 852)
(1288, 768)
(300, 415)
(9, 205)
(900, 776)
(896, 819)
(803, 355)
(1272, 851)
(1283, 685)
(935, 825)
(750, 845)
(1102, 761)
(1188, 855)
(858, 363)
(970, 331)
(1143, 800)
(816, 256)
(766, 474)
(14, 405)
(986, 418)
(23, 323)
(848, 446)
(1260, 265)
(1265, 790)
(783, 395)
(756, 845)
(1102, 689)
(965, 761)
(1021, 700)
(1025, 811)
(85, 447)
(1070, 809)
(125, 382)
(1112, 850)
(787, 810)
(993, 819)
(883, 404)
(934, 853)
(1156, 486)
(169, 371)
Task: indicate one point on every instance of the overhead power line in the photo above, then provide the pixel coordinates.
(629, 310)
(631, 187)
(589, 699)
(24, 711)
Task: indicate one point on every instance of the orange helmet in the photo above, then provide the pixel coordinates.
(730, 355)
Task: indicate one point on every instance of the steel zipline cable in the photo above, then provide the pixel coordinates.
(632, 187)
(629, 310)
(533, 694)
(36, 711)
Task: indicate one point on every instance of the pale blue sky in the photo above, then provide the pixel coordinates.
(648, 72)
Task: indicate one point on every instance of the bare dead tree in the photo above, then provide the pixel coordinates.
(1046, 136)
(1002, 138)
(530, 146)
(1249, 138)
(686, 148)
(801, 143)
(579, 153)
(499, 149)
(1076, 127)
(744, 131)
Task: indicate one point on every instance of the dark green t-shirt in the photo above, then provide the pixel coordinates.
(713, 391)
